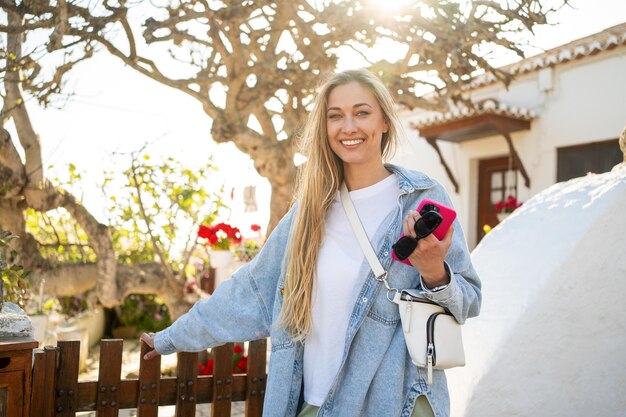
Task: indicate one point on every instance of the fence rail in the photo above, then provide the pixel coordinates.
(56, 391)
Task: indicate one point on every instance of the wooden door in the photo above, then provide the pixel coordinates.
(494, 184)
(12, 394)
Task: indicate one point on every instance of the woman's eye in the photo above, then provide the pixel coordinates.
(334, 116)
(362, 113)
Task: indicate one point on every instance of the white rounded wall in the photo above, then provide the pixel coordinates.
(551, 337)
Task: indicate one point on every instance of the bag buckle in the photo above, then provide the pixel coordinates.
(383, 279)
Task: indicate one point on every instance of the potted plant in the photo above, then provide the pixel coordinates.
(505, 207)
(220, 238)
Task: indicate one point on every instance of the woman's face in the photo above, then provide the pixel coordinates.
(355, 124)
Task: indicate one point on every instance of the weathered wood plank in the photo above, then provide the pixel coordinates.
(255, 384)
(222, 380)
(109, 378)
(187, 371)
(44, 379)
(149, 384)
(67, 378)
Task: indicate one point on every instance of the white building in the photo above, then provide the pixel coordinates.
(559, 119)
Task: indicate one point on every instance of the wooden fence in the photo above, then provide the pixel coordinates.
(56, 391)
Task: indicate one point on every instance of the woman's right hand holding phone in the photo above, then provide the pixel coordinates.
(428, 257)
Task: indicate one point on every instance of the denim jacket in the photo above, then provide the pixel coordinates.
(376, 377)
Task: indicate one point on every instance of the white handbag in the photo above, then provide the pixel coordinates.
(433, 336)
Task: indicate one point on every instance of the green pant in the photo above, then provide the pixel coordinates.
(422, 409)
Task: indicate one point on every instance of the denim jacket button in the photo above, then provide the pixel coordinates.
(364, 299)
(386, 253)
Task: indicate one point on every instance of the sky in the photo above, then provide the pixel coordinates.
(115, 111)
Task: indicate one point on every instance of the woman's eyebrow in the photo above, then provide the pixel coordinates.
(354, 107)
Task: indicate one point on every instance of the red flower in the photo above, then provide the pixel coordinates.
(510, 203)
(204, 231)
(207, 369)
(220, 236)
(255, 228)
(241, 366)
(238, 349)
(507, 205)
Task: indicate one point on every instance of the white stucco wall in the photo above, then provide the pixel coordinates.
(586, 103)
(550, 339)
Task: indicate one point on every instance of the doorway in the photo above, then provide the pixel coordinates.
(497, 179)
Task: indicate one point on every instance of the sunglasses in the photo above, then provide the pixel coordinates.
(424, 226)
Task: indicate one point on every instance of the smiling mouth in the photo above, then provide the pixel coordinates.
(352, 142)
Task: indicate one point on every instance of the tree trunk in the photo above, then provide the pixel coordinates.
(280, 201)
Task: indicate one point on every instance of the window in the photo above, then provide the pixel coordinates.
(597, 157)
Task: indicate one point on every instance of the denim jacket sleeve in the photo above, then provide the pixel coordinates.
(241, 307)
(463, 295)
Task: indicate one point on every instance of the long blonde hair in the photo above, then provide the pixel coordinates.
(318, 182)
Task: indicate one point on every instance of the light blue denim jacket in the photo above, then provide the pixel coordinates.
(377, 377)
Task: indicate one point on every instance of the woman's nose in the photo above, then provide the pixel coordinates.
(348, 125)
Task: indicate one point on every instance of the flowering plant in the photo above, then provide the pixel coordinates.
(220, 236)
(507, 205)
(240, 363)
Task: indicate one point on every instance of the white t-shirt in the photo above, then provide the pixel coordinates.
(336, 283)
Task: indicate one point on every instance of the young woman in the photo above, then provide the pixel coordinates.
(337, 344)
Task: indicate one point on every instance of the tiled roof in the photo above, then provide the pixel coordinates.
(581, 48)
(490, 106)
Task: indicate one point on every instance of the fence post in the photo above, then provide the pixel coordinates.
(222, 380)
(110, 371)
(186, 391)
(44, 382)
(255, 385)
(67, 378)
(149, 384)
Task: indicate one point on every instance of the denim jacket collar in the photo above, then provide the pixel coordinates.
(410, 181)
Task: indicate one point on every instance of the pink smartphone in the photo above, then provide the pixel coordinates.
(448, 214)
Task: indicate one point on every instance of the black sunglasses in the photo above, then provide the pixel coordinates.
(424, 226)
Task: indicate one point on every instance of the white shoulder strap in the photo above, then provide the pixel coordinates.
(361, 236)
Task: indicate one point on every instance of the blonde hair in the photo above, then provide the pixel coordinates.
(317, 184)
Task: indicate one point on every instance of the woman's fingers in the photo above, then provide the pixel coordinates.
(151, 355)
(148, 339)
(447, 238)
(409, 222)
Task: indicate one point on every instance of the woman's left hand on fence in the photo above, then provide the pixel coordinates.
(148, 338)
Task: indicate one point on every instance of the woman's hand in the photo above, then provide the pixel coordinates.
(429, 254)
(148, 338)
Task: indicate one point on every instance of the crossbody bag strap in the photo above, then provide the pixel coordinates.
(364, 242)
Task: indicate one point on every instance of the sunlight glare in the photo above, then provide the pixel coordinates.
(385, 5)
